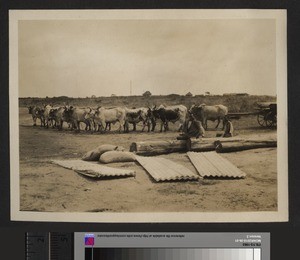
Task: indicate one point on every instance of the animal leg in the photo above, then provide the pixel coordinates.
(34, 121)
(166, 125)
(223, 125)
(153, 125)
(161, 126)
(102, 129)
(77, 126)
(60, 125)
(180, 127)
(126, 127)
(122, 123)
(218, 122)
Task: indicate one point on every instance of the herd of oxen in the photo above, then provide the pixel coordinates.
(101, 118)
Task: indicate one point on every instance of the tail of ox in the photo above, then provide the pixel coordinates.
(104, 117)
(204, 113)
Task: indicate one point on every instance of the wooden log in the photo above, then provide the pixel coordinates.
(165, 147)
(198, 145)
(259, 138)
(227, 147)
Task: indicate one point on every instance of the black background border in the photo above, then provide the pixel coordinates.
(284, 236)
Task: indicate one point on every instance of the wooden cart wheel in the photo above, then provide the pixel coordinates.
(269, 118)
(274, 120)
(261, 119)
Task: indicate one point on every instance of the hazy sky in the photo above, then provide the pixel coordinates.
(81, 58)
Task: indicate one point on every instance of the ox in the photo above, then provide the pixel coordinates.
(75, 116)
(136, 115)
(105, 116)
(168, 114)
(35, 112)
(95, 124)
(204, 113)
(59, 116)
(52, 116)
(45, 114)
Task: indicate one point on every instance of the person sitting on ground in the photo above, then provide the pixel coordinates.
(192, 128)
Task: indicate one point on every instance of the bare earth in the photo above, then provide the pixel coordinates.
(48, 187)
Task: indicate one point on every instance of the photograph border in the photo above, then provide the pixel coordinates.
(282, 130)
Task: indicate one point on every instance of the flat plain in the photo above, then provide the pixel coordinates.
(46, 187)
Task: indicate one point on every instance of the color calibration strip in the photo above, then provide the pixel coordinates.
(172, 254)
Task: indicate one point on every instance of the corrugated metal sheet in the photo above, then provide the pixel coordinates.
(162, 169)
(211, 164)
(93, 169)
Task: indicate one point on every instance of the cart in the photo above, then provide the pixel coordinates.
(267, 114)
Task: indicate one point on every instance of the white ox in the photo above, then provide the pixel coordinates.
(75, 116)
(46, 115)
(103, 116)
(204, 113)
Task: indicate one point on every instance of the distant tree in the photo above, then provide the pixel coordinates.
(173, 95)
(147, 94)
(189, 94)
(93, 96)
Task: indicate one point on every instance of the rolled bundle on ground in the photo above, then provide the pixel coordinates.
(117, 156)
(95, 154)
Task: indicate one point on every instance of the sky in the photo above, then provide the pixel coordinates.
(80, 58)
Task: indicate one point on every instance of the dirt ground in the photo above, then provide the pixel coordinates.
(48, 187)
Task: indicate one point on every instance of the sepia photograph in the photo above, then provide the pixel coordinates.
(148, 115)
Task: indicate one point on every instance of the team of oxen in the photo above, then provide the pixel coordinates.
(101, 118)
